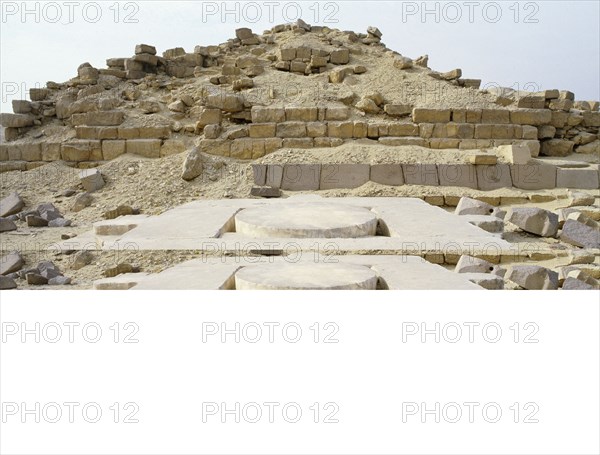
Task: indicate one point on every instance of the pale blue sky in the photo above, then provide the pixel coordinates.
(543, 44)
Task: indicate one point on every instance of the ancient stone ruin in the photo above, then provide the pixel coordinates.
(312, 109)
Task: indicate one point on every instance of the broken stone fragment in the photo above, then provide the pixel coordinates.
(486, 280)
(470, 264)
(59, 281)
(535, 221)
(35, 279)
(59, 222)
(468, 206)
(422, 61)
(533, 277)
(402, 62)
(82, 201)
(11, 204)
(368, 106)
(36, 221)
(10, 263)
(48, 269)
(91, 180)
(581, 231)
(192, 166)
(145, 49)
(81, 259)
(265, 191)
(374, 31)
(514, 153)
(48, 212)
(7, 225)
(7, 283)
(121, 210)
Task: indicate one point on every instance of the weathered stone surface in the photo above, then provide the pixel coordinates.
(573, 284)
(226, 102)
(11, 204)
(48, 212)
(100, 118)
(91, 180)
(556, 147)
(337, 113)
(36, 221)
(420, 174)
(59, 281)
(192, 166)
(470, 264)
(535, 220)
(149, 148)
(262, 130)
(10, 263)
(7, 225)
(581, 231)
(533, 176)
(301, 177)
(340, 56)
(530, 117)
(274, 175)
(420, 115)
(489, 223)
(112, 149)
(16, 120)
(344, 175)
(533, 277)
(7, 283)
(486, 281)
(514, 153)
(145, 49)
(493, 177)
(577, 198)
(265, 192)
(291, 129)
(261, 114)
(301, 114)
(82, 201)
(387, 174)
(461, 175)
(59, 222)
(468, 206)
(577, 178)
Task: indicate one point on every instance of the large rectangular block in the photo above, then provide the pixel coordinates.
(262, 114)
(387, 174)
(421, 115)
(258, 130)
(343, 176)
(591, 119)
(112, 149)
(149, 148)
(242, 149)
(340, 129)
(495, 116)
(128, 133)
(577, 178)
(291, 129)
(302, 114)
(460, 130)
(460, 175)
(50, 151)
(298, 142)
(100, 118)
(86, 132)
(421, 174)
(443, 143)
(155, 132)
(272, 144)
(493, 177)
(31, 152)
(16, 120)
(337, 113)
(259, 172)
(533, 117)
(534, 176)
(360, 130)
(316, 129)
(274, 175)
(401, 141)
(403, 129)
(301, 177)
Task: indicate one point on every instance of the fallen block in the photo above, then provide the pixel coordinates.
(91, 180)
(533, 277)
(535, 221)
(581, 231)
(515, 153)
(11, 263)
(470, 264)
(11, 205)
(468, 206)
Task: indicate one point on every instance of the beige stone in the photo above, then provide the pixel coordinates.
(303, 114)
(172, 147)
(316, 129)
(112, 149)
(514, 154)
(421, 115)
(556, 147)
(148, 148)
(298, 142)
(262, 130)
(291, 129)
(460, 130)
(337, 113)
(261, 114)
(496, 116)
(340, 129)
(531, 117)
(493, 177)
(403, 129)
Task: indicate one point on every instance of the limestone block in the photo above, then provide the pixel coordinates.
(259, 172)
(533, 176)
(16, 120)
(302, 114)
(208, 117)
(316, 129)
(533, 277)
(340, 56)
(272, 144)
(38, 94)
(91, 180)
(154, 132)
(261, 114)
(337, 113)
(403, 129)
(577, 178)
(495, 116)
(460, 130)
(262, 130)
(387, 174)
(100, 118)
(493, 177)
(145, 49)
(298, 142)
(343, 176)
(340, 129)
(460, 175)
(149, 148)
(226, 102)
(398, 110)
(274, 175)
(112, 149)
(534, 220)
(420, 174)
(514, 154)
(533, 117)
(556, 147)
(291, 129)
(581, 231)
(128, 133)
(470, 264)
(301, 177)
(242, 149)
(421, 115)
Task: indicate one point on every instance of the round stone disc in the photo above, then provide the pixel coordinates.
(306, 276)
(311, 220)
